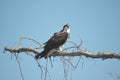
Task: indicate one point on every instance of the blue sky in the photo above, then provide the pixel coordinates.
(96, 22)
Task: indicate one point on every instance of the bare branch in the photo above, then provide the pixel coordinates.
(103, 55)
(55, 53)
(20, 68)
(31, 40)
(19, 50)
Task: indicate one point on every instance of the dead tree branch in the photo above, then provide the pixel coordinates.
(72, 51)
(19, 50)
(102, 55)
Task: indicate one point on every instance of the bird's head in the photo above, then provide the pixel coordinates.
(66, 28)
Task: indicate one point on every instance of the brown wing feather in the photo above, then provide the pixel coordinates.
(56, 41)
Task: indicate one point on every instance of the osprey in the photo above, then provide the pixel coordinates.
(55, 42)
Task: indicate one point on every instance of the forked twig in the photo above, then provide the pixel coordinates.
(31, 40)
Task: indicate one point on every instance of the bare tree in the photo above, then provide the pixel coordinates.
(55, 53)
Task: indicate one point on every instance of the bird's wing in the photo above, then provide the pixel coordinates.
(56, 40)
(50, 38)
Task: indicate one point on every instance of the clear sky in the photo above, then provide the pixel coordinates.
(96, 22)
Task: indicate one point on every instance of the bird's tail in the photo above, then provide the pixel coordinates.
(42, 54)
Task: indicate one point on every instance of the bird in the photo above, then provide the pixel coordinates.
(55, 42)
